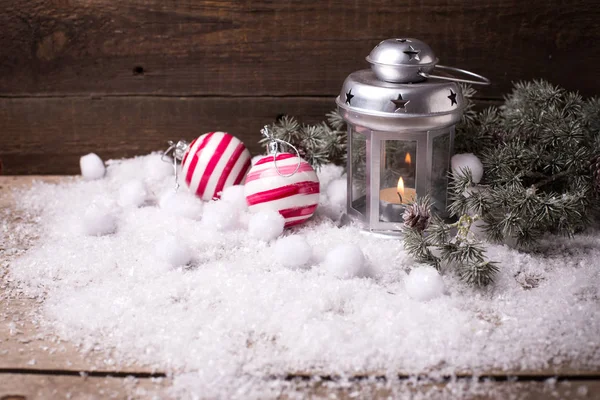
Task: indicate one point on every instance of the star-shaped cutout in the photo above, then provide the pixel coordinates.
(400, 103)
(349, 97)
(452, 98)
(412, 53)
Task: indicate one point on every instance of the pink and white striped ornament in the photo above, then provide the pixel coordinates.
(294, 194)
(213, 162)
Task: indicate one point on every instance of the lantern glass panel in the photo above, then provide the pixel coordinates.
(398, 177)
(358, 193)
(439, 171)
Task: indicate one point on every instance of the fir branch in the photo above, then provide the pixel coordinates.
(455, 243)
(541, 158)
(318, 144)
(479, 273)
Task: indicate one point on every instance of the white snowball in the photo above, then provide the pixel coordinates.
(243, 220)
(182, 204)
(470, 191)
(470, 161)
(337, 192)
(235, 196)
(92, 167)
(173, 251)
(220, 215)
(156, 168)
(345, 261)
(327, 173)
(424, 283)
(98, 221)
(292, 251)
(266, 225)
(132, 194)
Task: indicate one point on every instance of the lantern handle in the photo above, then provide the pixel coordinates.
(482, 80)
(274, 150)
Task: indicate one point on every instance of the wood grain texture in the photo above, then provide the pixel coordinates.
(24, 344)
(32, 387)
(47, 136)
(458, 390)
(293, 47)
(39, 387)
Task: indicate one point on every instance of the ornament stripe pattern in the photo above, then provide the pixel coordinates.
(295, 196)
(214, 161)
(283, 192)
(296, 221)
(191, 167)
(246, 167)
(283, 170)
(298, 212)
(229, 166)
(187, 152)
(280, 157)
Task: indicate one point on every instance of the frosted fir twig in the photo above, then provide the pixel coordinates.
(541, 157)
(319, 144)
(454, 243)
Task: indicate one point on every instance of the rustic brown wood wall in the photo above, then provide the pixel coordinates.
(121, 77)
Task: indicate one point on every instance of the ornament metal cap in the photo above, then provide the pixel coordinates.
(179, 149)
(274, 150)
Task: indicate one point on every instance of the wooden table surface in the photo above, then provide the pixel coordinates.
(35, 365)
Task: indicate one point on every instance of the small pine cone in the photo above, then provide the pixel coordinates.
(416, 216)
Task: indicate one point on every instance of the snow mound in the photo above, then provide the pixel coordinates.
(230, 313)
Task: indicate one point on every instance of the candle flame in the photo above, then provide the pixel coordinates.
(407, 159)
(401, 186)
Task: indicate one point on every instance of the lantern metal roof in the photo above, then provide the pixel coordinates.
(394, 95)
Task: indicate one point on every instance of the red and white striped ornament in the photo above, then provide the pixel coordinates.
(291, 187)
(213, 162)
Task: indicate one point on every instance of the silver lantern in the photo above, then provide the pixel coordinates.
(401, 122)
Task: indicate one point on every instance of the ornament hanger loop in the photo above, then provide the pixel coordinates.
(178, 150)
(482, 80)
(274, 150)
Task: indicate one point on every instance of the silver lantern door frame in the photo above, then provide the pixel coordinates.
(374, 148)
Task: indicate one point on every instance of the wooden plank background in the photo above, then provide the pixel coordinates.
(121, 77)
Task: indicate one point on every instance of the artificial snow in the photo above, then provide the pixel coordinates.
(98, 220)
(424, 283)
(174, 251)
(235, 196)
(337, 192)
(181, 204)
(461, 162)
(266, 225)
(220, 216)
(158, 167)
(292, 252)
(132, 194)
(235, 314)
(345, 261)
(92, 167)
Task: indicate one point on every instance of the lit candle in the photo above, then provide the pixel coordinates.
(398, 194)
(393, 200)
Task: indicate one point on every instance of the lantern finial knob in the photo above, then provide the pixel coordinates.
(400, 60)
